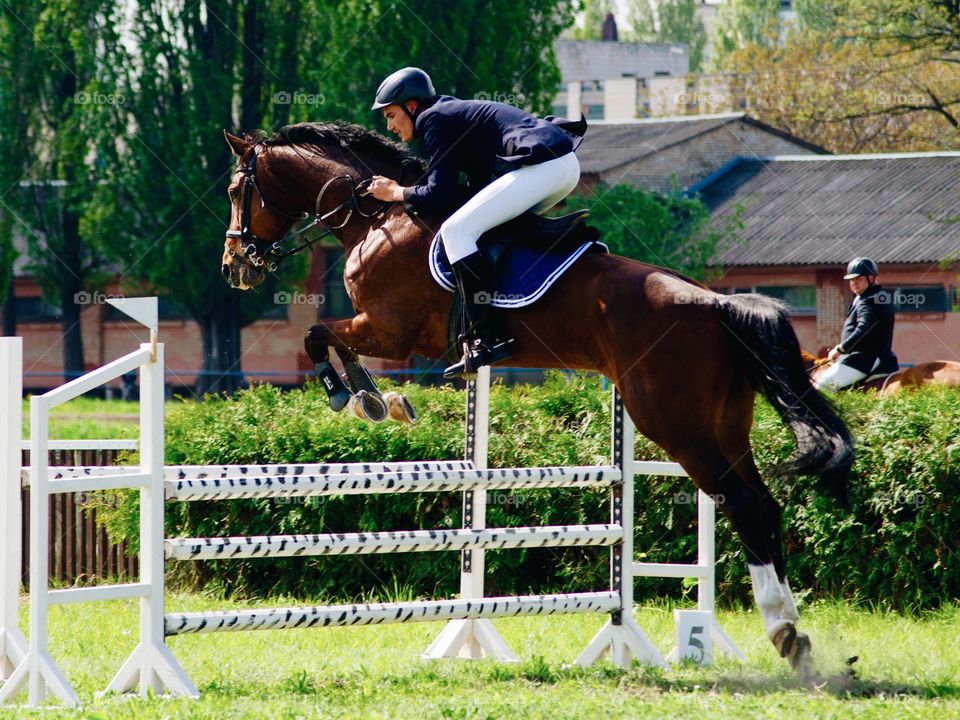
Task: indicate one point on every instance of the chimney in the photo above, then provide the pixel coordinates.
(609, 28)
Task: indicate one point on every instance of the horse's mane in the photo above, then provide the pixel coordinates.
(341, 135)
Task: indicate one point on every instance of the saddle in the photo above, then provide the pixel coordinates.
(545, 233)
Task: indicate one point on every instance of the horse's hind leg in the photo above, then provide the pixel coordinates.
(718, 458)
(771, 589)
(756, 517)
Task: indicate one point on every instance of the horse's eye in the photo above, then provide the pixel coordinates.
(232, 193)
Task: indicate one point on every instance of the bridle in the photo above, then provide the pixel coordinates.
(272, 257)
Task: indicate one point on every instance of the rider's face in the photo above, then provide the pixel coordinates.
(398, 122)
(859, 284)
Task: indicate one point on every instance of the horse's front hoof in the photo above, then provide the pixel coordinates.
(367, 406)
(399, 408)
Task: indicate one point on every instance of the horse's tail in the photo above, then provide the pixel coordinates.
(769, 348)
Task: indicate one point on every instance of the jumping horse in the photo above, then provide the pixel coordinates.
(933, 372)
(686, 360)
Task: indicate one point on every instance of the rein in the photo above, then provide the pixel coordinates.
(272, 257)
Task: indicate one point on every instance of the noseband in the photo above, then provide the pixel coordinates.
(275, 252)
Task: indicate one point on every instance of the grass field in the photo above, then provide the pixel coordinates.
(90, 419)
(908, 667)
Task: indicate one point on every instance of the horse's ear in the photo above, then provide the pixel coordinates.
(238, 145)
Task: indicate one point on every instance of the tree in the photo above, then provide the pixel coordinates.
(915, 33)
(671, 231)
(592, 17)
(47, 108)
(670, 21)
(848, 92)
(498, 49)
(194, 70)
(746, 22)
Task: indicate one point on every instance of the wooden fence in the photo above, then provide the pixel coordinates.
(79, 551)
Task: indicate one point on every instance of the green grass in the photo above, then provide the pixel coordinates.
(907, 667)
(90, 419)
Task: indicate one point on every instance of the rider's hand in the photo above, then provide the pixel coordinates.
(834, 353)
(383, 188)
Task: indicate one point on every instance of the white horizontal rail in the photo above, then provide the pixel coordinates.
(210, 472)
(86, 444)
(96, 594)
(671, 570)
(402, 481)
(654, 467)
(377, 613)
(104, 482)
(390, 542)
(95, 378)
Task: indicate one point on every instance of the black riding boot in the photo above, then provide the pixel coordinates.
(480, 347)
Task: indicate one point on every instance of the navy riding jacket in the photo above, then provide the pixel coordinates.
(483, 140)
(868, 332)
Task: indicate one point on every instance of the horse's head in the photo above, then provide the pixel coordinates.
(255, 226)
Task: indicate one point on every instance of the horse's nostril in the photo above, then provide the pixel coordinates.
(225, 270)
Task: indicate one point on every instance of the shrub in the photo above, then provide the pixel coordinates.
(891, 549)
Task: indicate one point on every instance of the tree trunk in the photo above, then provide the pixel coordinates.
(72, 337)
(221, 351)
(71, 281)
(10, 312)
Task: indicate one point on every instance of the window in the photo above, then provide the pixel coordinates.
(801, 299)
(594, 112)
(336, 301)
(920, 298)
(35, 310)
(559, 110)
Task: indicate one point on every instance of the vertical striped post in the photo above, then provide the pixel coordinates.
(621, 636)
(473, 638)
(13, 646)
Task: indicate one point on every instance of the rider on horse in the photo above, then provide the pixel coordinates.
(513, 161)
(867, 338)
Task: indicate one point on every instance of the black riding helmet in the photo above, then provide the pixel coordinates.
(861, 266)
(410, 83)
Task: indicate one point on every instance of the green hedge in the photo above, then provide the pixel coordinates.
(896, 548)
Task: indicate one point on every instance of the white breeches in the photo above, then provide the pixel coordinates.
(837, 376)
(532, 187)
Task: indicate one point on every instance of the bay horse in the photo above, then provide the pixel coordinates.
(687, 361)
(933, 372)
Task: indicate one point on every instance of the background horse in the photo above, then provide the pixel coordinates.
(934, 372)
(687, 361)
